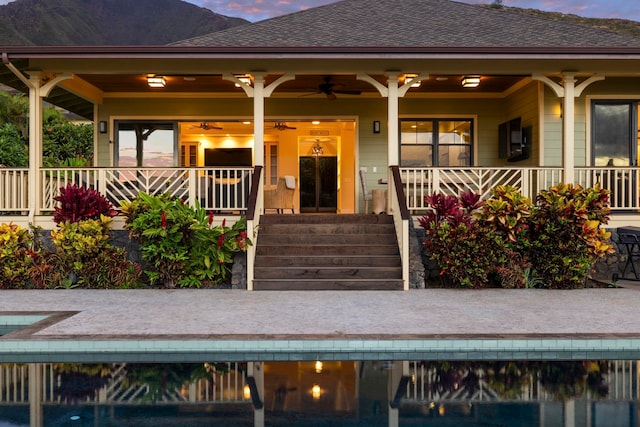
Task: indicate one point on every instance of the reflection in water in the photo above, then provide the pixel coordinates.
(327, 393)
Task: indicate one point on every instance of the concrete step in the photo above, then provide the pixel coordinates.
(327, 285)
(312, 273)
(334, 250)
(316, 252)
(328, 261)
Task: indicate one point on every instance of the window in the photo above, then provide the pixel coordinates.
(271, 163)
(146, 144)
(436, 142)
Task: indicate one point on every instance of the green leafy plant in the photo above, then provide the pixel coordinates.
(181, 244)
(567, 228)
(16, 256)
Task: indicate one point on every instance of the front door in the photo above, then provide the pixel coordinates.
(318, 183)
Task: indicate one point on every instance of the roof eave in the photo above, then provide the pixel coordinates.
(20, 52)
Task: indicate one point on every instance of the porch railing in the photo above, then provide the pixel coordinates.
(227, 189)
(14, 186)
(219, 189)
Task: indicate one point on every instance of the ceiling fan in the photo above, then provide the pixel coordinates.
(331, 89)
(281, 126)
(206, 126)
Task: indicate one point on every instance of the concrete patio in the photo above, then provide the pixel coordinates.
(228, 325)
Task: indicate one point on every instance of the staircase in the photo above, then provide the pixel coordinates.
(327, 252)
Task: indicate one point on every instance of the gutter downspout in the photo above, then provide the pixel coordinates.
(35, 133)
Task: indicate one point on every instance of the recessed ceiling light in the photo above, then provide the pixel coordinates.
(189, 79)
(315, 122)
(442, 79)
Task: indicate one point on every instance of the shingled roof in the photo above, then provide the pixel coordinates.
(412, 23)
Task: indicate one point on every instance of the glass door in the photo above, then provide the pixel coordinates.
(615, 144)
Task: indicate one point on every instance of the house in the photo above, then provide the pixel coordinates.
(420, 95)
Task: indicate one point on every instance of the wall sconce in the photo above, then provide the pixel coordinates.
(470, 81)
(318, 367)
(376, 126)
(102, 127)
(410, 77)
(156, 81)
(246, 392)
(315, 392)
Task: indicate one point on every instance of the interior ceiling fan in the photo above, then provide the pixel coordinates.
(281, 126)
(331, 89)
(206, 126)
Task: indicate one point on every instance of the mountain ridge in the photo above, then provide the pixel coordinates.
(106, 22)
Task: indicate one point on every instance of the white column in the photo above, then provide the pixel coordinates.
(258, 119)
(35, 145)
(392, 125)
(568, 128)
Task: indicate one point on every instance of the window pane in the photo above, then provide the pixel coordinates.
(416, 155)
(454, 132)
(154, 142)
(612, 135)
(412, 132)
(454, 155)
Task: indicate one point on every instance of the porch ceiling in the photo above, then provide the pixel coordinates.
(302, 85)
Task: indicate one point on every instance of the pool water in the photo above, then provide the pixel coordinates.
(322, 393)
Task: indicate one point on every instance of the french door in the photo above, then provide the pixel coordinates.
(614, 143)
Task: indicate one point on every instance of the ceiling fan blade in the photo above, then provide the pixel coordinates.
(331, 96)
(348, 91)
(310, 94)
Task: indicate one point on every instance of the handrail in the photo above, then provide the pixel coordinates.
(253, 193)
(399, 192)
(401, 218)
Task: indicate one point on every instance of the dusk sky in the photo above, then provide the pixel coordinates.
(257, 10)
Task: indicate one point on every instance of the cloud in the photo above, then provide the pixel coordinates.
(624, 9)
(258, 10)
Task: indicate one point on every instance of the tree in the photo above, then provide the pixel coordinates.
(64, 142)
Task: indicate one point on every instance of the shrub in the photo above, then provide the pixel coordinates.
(553, 243)
(77, 203)
(16, 256)
(181, 244)
(567, 228)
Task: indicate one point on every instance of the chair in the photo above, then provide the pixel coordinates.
(282, 197)
(366, 194)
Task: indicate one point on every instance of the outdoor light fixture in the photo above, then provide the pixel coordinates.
(317, 149)
(246, 392)
(316, 391)
(471, 81)
(156, 81)
(318, 367)
(244, 78)
(102, 127)
(410, 77)
(376, 126)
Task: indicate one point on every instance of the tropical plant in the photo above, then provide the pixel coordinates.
(553, 243)
(77, 203)
(566, 226)
(181, 244)
(16, 255)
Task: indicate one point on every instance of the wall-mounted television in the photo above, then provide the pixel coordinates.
(228, 157)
